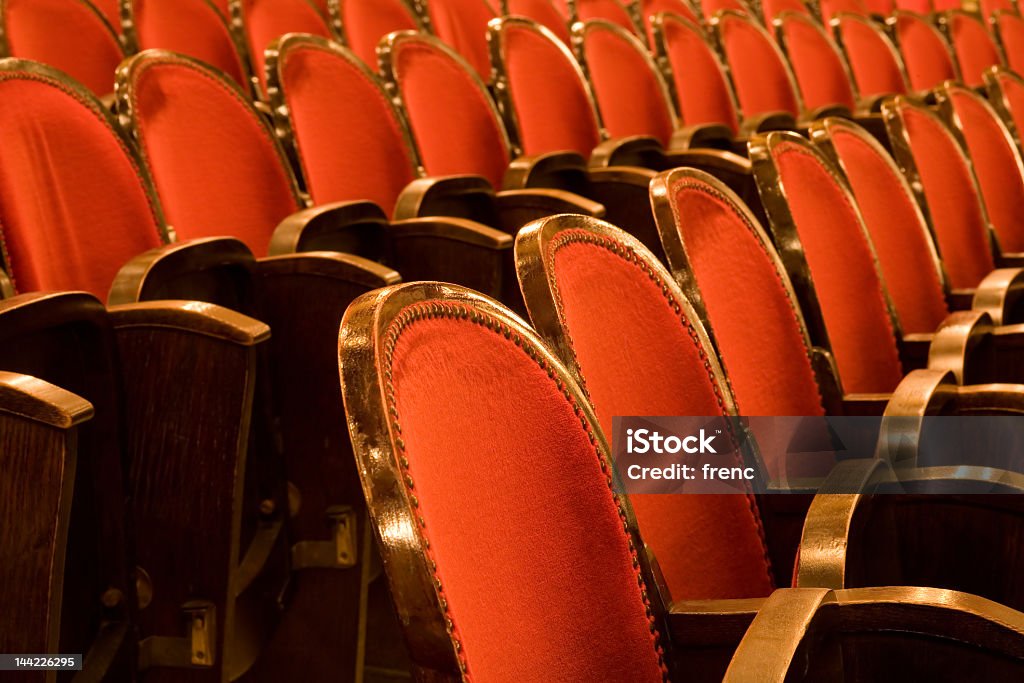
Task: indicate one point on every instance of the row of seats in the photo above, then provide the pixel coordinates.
(351, 184)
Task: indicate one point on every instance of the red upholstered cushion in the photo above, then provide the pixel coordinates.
(950, 190)
(997, 165)
(846, 281)
(872, 57)
(531, 556)
(453, 120)
(640, 357)
(702, 89)
(713, 7)
(880, 7)
(268, 20)
(925, 52)
(943, 5)
(630, 93)
(761, 77)
(897, 231)
(830, 8)
(463, 25)
(1011, 32)
(1013, 95)
(212, 159)
(773, 8)
(974, 47)
(816, 62)
(752, 317)
(919, 6)
(67, 34)
(111, 11)
(609, 10)
(544, 13)
(191, 27)
(551, 103)
(350, 141)
(365, 23)
(72, 207)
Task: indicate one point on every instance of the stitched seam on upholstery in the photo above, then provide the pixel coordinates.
(457, 311)
(129, 154)
(630, 256)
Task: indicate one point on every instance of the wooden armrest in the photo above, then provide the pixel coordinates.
(329, 264)
(913, 349)
(705, 135)
(865, 405)
(705, 634)
(461, 196)
(213, 269)
(826, 111)
(192, 317)
(1010, 260)
(1000, 295)
(960, 299)
(765, 122)
(352, 227)
(6, 286)
(642, 151)
(962, 336)
(33, 399)
(872, 103)
(519, 207)
(625, 193)
(562, 170)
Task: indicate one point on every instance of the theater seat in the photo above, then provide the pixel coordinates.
(612, 11)
(773, 8)
(824, 78)
(830, 9)
(649, 9)
(927, 55)
(544, 13)
(873, 58)
(70, 35)
(362, 25)
(1008, 32)
(463, 25)
(263, 21)
(973, 45)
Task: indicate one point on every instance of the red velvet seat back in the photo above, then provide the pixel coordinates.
(111, 11)
(455, 124)
(550, 100)
(819, 68)
(630, 92)
(923, 7)
(847, 283)
(759, 72)
(830, 8)
(1006, 90)
(70, 35)
(876, 64)
(609, 10)
(713, 7)
(773, 8)
(925, 52)
(215, 164)
(463, 25)
(896, 225)
(191, 27)
(990, 7)
(512, 519)
(997, 165)
(882, 8)
(749, 305)
(365, 23)
(544, 13)
(703, 92)
(73, 203)
(958, 216)
(267, 20)
(351, 141)
(650, 8)
(641, 351)
(1010, 28)
(974, 47)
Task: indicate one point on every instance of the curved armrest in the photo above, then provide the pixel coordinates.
(519, 207)
(462, 196)
(193, 317)
(872, 103)
(562, 170)
(826, 111)
(352, 227)
(625, 193)
(331, 264)
(211, 269)
(705, 135)
(1000, 295)
(33, 399)
(961, 335)
(643, 151)
(765, 122)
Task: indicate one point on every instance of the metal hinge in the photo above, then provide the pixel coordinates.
(341, 552)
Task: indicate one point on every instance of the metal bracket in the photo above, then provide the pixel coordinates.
(196, 649)
(341, 552)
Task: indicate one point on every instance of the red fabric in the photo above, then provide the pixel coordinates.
(758, 70)
(846, 281)
(111, 11)
(1013, 94)
(268, 20)
(990, 7)
(544, 13)
(773, 8)
(944, 5)
(925, 52)
(753, 320)
(531, 556)
(880, 7)
(67, 34)
(211, 157)
(652, 8)
(872, 57)
(639, 357)
(609, 10)
(975, 49)
(1011, 32)
(631, 97)
(463, 25)
(349, 138)
(897, 231)
(549, 97)
(830, 8)
(713, 7)
(702, 88)
(72, 207)
(997, 165)
(451, 116)
(222, 7)
(919, 6)
(365, 23)
(191, 27)
(817, 64)
(956, 211)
